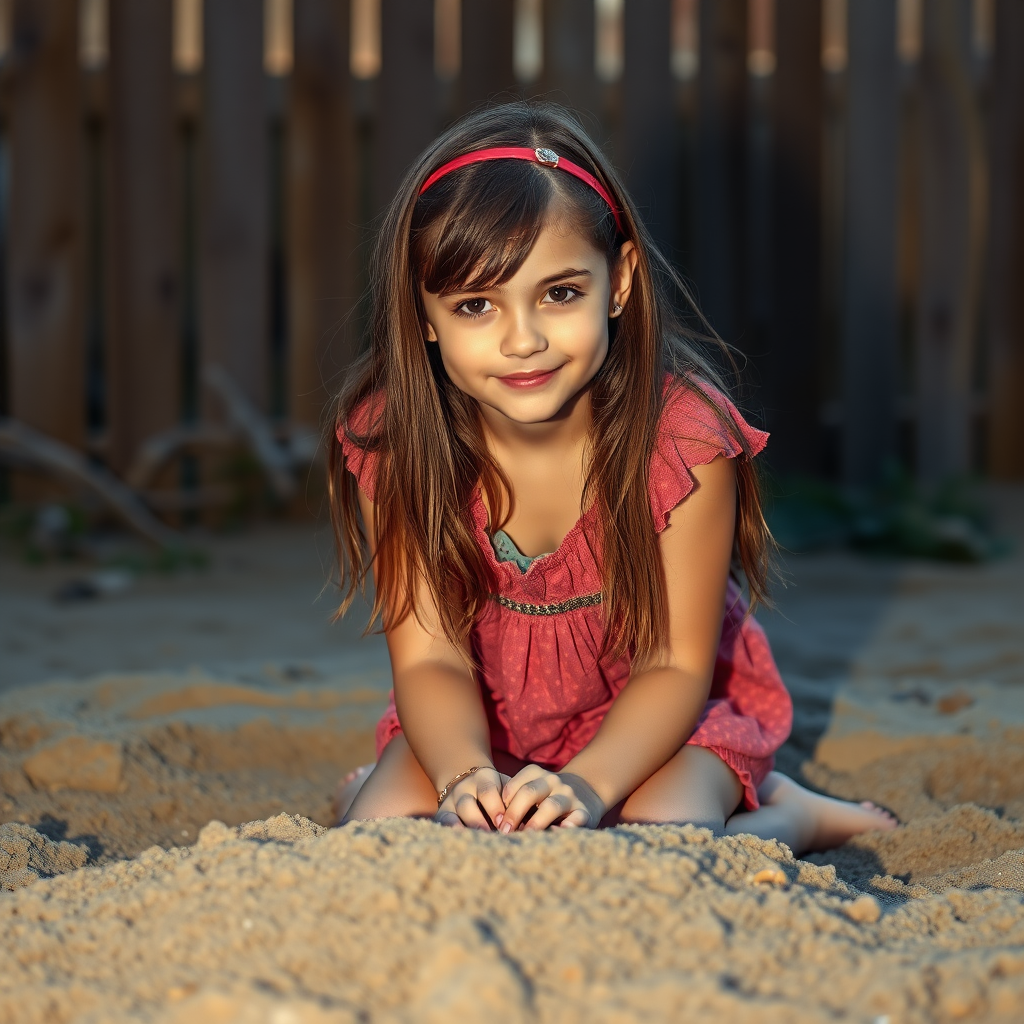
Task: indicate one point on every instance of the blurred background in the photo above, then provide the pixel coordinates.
(188, 192)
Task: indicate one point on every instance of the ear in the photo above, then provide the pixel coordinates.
(622, 277)
(431, 333)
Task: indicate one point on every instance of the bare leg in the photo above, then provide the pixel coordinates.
(806, 821)
(698, 787)
(396, 788)
(695, 787)
(346, 790)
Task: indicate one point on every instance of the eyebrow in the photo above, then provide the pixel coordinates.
(550, 279)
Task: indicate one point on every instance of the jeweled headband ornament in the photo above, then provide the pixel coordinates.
(541, 155)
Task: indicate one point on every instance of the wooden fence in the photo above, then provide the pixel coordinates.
(183, 244)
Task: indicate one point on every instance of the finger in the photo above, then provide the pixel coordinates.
(489, 797)
(524, 775)
(530, 794)
(577, 818)
(467, 808)
(448, 818)
(549, 810)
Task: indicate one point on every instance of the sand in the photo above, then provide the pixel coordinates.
(163, 855)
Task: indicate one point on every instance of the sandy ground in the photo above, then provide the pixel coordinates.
(167, 757)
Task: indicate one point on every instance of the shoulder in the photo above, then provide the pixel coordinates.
(698, 424)
(356, 433)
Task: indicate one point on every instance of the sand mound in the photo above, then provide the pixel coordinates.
(120, 762)
(402, 920)
(26, 856)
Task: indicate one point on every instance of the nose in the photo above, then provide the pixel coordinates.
(523, 337)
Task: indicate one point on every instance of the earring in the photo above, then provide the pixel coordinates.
(616, 309)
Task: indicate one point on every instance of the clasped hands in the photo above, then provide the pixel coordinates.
(490, 801)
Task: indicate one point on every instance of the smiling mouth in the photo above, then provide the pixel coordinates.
(528, 378)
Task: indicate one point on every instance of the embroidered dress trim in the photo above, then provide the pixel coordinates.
(584, 601)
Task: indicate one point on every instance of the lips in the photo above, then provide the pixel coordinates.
(528, 378)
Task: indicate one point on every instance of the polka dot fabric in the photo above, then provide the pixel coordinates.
(544, 686)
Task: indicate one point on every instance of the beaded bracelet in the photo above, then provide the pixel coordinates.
(457, 779)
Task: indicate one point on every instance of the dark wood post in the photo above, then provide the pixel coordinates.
(143, 347)
(870, 315)
(487, 42)
(235, 202)
(790, 370)
(1006, 254)
(719, 197)
(321, 206)
(569, 75)
(950, 253)
(46, 336)
(648, 150)
(406, 92)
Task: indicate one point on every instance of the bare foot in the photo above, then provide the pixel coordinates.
(348, 787)
(823, 821)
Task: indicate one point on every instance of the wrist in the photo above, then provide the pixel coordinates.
(454, 770)
(603, 789)
(456, 779)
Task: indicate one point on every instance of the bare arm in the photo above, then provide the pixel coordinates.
(437, 697)
(659, 707)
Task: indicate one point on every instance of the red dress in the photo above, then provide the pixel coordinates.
(544, 688)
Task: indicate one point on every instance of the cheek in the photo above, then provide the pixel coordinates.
(458, 354)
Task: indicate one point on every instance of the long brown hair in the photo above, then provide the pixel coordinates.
(474, 229)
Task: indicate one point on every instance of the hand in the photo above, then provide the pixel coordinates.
(558, 798)
(473, 800)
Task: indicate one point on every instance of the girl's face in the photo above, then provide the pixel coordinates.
(525, 349)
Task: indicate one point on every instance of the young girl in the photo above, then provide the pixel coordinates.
(552, 487)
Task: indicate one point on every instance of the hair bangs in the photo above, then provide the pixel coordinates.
(477, 230)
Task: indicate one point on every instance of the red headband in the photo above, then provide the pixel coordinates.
(547, 157)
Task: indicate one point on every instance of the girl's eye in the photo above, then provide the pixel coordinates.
(474, 307)
(562, 294)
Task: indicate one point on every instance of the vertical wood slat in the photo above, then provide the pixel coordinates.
(234, 205)
(947, 301)
(790, 373)
(568, 75)
(406, 93)
(870, 316)
(321, 206)
(487, 45)
(46, 242)
(648, 152)
(719, 199)
(143, 348)
(1006, 253)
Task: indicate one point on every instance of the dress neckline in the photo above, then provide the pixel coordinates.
(479, 511)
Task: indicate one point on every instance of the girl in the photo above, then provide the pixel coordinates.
(552, 487)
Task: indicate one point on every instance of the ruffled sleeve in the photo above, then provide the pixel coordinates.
(362, 464)
(694, 432)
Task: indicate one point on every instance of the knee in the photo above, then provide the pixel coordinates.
(386, 805)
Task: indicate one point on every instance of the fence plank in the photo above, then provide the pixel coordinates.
(143, 347)
(46, 242)
(321, 205)
(947, 301)
(234, 203)
(719, 198)
(1006, 255)
(870, 315)
(568, 75)
(790, 372)
(487, 36)
(649, 145)
(407, 92)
